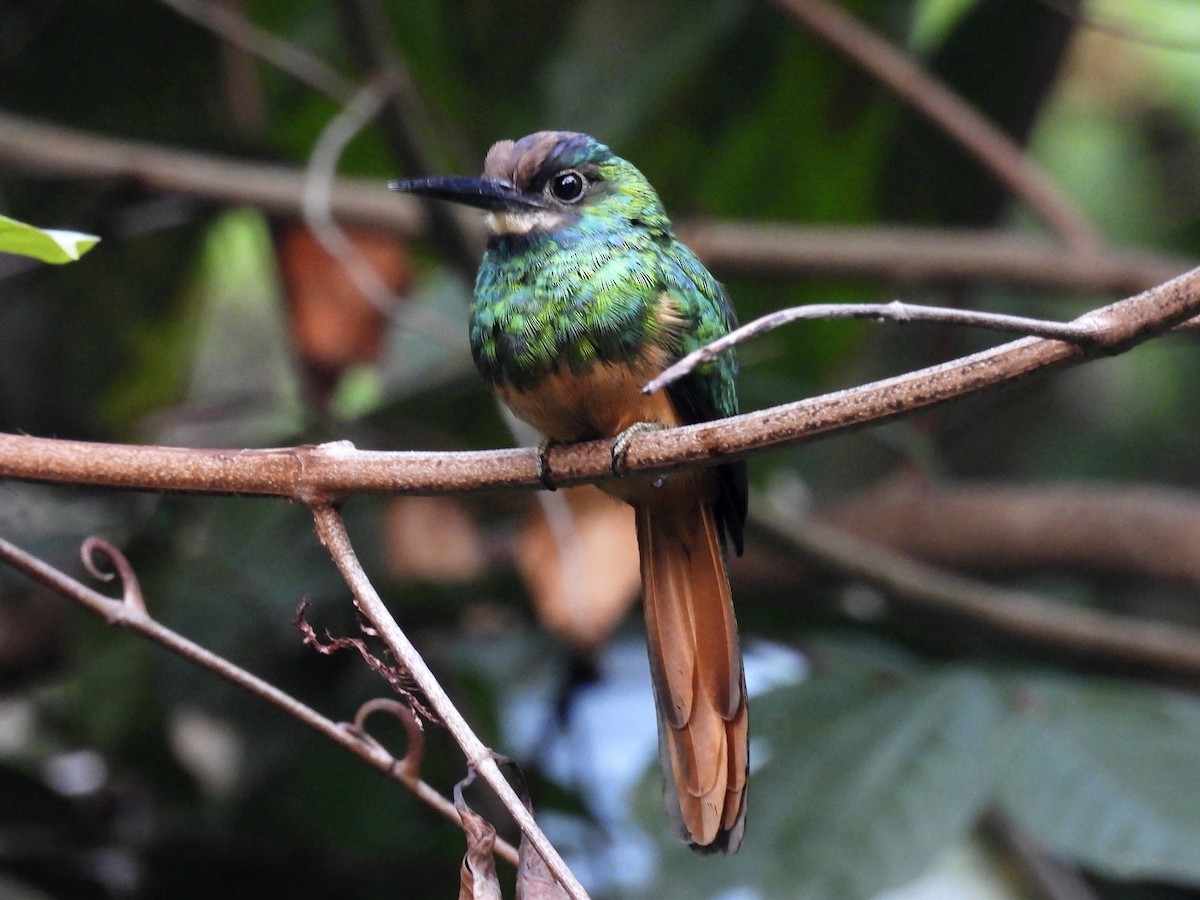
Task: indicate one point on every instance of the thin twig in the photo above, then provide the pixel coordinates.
(130, 612)
(1002, 156)
(332, 532)
(329, 471)
(238, 30)
(1081, 332)
(319, 178)
(319, 181)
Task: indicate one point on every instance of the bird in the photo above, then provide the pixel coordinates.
(582, 296)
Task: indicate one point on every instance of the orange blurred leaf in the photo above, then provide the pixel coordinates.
(333, 325)
(432, 539)
(580, 563)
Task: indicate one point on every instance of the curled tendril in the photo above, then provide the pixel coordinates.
(464, 783)
(500, 759)
(409, 767)
(131, 588)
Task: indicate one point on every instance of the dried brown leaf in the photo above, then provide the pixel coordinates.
(477, 877)
(534, 879)
(395, 674)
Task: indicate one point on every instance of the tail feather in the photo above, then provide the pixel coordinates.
(695, 662)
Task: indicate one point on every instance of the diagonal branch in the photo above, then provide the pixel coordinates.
(332, 532)
(130, 612)
(897, 70)
(245, 34)
(368, 36)
(917, 591)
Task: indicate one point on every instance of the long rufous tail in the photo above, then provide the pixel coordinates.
(696, 665)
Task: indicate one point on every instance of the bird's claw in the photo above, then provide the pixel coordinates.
(620, 444)
(543, 464)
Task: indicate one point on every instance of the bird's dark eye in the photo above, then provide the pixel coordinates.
(568, 186)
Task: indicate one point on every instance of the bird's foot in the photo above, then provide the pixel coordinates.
(543, 464)
(620, 444)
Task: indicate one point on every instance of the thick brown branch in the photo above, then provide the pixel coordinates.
(332, 470)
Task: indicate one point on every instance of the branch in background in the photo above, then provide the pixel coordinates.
(368, 36)
(1012, 529)
(1040, 873)
(320, 176)
(910, 256)
(332, 470)
(130, 612)
(1126, 30)
(916, 593)
(66, 153)
(241, 32)
(998, 152)
(320, 179)
(241, 88)
(331, 531)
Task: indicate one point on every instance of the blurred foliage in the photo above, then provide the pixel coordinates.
(176, 329)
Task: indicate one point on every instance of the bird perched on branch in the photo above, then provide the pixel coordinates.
(583, 296)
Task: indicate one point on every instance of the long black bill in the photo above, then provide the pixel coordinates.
(484, 193)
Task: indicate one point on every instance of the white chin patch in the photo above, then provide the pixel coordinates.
(524, 221)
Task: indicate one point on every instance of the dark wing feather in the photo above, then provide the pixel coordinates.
(692, 401)
(709, 392)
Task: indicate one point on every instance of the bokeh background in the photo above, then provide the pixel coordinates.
(898, 751)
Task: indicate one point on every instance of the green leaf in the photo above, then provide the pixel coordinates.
(48, 245)
(863, 787)
(242, 360)
(1106, 774)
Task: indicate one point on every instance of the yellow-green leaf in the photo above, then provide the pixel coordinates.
(47, 244)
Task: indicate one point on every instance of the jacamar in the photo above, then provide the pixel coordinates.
(583, 295)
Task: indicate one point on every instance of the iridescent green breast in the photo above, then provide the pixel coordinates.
(540, 304)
